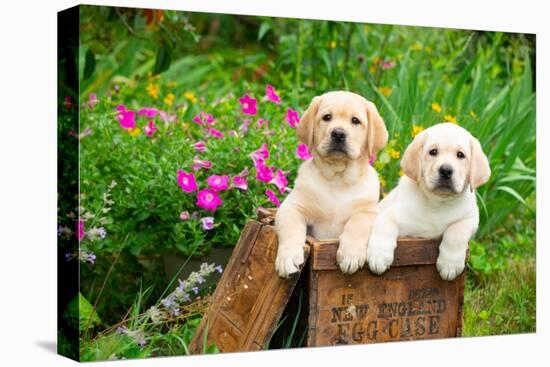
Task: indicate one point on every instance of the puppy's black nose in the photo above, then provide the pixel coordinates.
(445, 171)
(338, 135)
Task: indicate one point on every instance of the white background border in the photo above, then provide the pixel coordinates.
(28, 180)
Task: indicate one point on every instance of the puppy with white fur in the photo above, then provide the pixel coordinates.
(435, 198)
(336, 192)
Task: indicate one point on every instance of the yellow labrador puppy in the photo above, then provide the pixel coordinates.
(435, 198)
(336, 192)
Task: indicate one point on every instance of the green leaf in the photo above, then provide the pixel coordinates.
(163, 60)
(264, 28)
(89, 64)
(80, 313)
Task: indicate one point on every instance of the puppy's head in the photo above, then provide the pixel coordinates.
(342, 126)
(445, 159)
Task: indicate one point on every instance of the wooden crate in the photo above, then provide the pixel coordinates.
(408, 302)
(249, 298)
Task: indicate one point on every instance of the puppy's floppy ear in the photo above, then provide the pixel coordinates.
(410, 163)
(480, 171)
(377, 136)
(305, 126)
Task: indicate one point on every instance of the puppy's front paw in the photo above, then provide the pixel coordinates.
(350, 256)
(379, 257)
(450, 265)
(288, 260)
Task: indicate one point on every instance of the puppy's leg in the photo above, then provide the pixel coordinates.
(352, 250)
(452, 250)
(382, 242)
(291, 228)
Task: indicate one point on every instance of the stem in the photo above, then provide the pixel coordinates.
(298, 72)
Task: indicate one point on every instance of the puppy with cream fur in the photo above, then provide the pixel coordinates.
(336, 192)
(435, 198)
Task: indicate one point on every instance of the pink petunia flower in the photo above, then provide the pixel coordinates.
(200, 146)
(207, 223)
(126, 118)
(372, 159)
(249, 105)
(263, 172)
(184, 215)
(302, 152)
(80, 229)
(148, 112)
(187, 181)
(214, 132)
(292, 117)
(262, 122)
(198, 164)
(240, 182)
(203, 118)
(218, 183)
(280, 180)
(93, 101)
(150, 128)
(209, 200)
(261, 154)
(273, 198)
(272, 95)
(244, 126)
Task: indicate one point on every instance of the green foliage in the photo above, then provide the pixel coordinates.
(80, 314)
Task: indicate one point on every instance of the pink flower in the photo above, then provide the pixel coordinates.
(148, 112)
(292, 117)
(302, 152)
(198, 164)
(126, 118)
(272, 95)
(187, 181)
(200, 146)
(214, 133)
(80, 229)
(68, 102)
(262, 122)
(240, 182)
(207, 223)
(150, 128)
(218, 183)
(184, 215)
(166, 117)
(248, 105)
(261, 154)
(386, 65)
(93, 100)
(273, 198)
(280, 180)
(263, 172)
(209, 200)
(372, 159)
(203, 118)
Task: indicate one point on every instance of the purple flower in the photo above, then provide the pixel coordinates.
(280, 180)
(195, 290)
(302, 152)
(248, 105)
(149, 112)
(184, 215)
(272, 95)
(219, 269)
(207, 223)
(272, 197)
(93, 100)
(200, 146)
(240, 182)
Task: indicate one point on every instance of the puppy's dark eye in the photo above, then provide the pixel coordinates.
(460, 155)
(355, 121)
(327, 117)
(433, 152)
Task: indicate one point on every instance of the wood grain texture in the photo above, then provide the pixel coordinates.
(409, 251)
(408, 302)
(250, 298)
